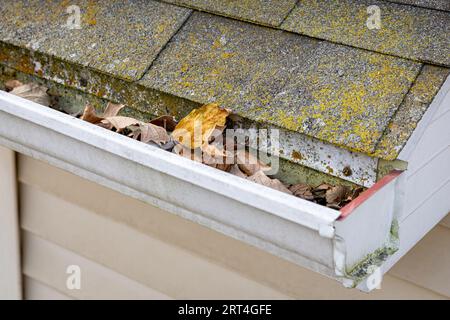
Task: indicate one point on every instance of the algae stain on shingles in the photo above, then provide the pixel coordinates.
(116, 38)
(336, 109)
(234, 65)
(406, 31)
(418, 99)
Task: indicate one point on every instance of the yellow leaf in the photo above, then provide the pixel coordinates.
(197, 127)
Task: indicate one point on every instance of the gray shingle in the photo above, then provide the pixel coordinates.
(267, 12)
(117, 37)
(406, 31)
(336, 93)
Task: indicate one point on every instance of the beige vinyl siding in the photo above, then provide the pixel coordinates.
(48, 262)
(446, 221)
(35, 290)
(428, 263)
(66, 218)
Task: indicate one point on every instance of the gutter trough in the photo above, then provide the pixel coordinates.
(348, 245)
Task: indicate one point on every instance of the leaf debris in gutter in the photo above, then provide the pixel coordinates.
(200, 137)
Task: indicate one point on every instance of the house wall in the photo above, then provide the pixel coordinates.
(427, 199)
(128, 249)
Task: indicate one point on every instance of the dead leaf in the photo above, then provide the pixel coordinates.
(194, 155)
(216, 156)
(112, 110)
(169, 145)
(336, 195)
(147, 132)
(33, 92)
(323, 187)
(261, 178)
(12, 84)
(119, 123)
(201, 122)
(167, 122)
(303, 191)
(135, 132)
(237, 172)
(249, 164)
(151, 132)
(90, 115)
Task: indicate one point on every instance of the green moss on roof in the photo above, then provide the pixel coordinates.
(411, 111)
(267, 12)
(117, 37)
(338, 94)
(406, 31)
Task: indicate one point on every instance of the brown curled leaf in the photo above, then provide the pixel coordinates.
(249, 164)
(303, 191)
(237, 172)
(90, 115)
(261, 178)
(33, 92)
(112, 110)
(167, 122)
(12, 84)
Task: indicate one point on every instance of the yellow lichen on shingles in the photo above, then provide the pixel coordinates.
(347, 114)
(338, 94)
(91, 12)
(137, 40)
(411, 111)
(265, 12)
(404, 31)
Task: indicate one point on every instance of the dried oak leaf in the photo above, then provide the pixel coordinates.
(167, 122)
(261, 178)
(237, 172)
(153, 133)
(197, 127)
(303, 191)
(119, 123)
(336, 195)
(147, 132)
(216, 156)
(192, 154)
(12, 84)
(33, 92)
(90, 115)
(249, 164)
(112, 110)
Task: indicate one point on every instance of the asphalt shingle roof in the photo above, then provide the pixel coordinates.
(116, 38)
(266, 12)
(312, 67)
(405, 31)
(432, 4)
(336, 93)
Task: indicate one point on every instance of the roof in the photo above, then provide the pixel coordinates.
(308, 66)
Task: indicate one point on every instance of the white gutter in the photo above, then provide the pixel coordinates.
(294, 229)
